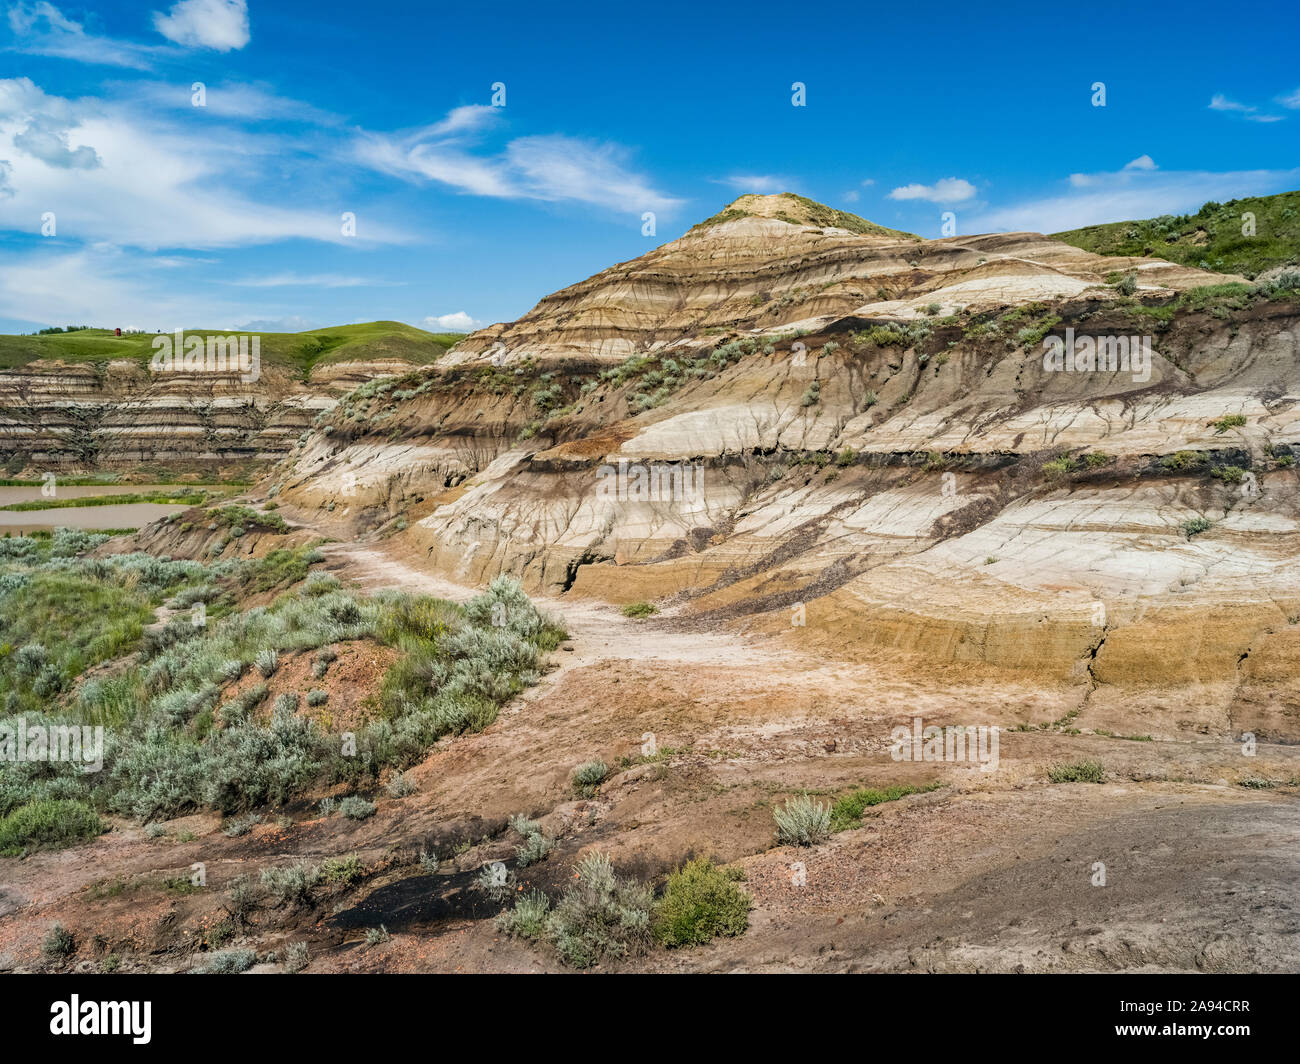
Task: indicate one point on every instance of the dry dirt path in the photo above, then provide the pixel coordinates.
(597, 632)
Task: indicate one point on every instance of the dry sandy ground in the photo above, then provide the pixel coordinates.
(994, 871)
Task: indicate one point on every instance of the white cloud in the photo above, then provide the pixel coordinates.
(946, 190)
(1291, 100)
(157, 185)
(851, 196)
(291, 324)
(549, 167)
(42, 29)
(45, 138)
(1219, 102)
(221, 25)
(556, 167)
(236, 100)
(1129, 194)
(457, 322)
(763, 185)
(104, 286)
(1142, 162)
(316, 280)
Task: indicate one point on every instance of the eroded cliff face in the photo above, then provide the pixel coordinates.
(874, 474)
(83, 416)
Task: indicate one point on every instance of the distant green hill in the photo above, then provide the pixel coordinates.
(1210, 239)
(295, 351)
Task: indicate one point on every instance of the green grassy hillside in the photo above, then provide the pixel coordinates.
(1211, 239)
(298, 352)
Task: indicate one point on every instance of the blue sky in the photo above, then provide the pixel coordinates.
(168, 215)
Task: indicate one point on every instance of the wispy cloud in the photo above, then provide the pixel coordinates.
(244, 101)
(111, 174)
(315, 280)
(548, 167)
(42, 29)
(1130, 193)
(106, 286)
(764, 184)
(946, 190)
(1220, 102)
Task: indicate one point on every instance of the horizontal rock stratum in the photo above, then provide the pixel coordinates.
(88, 399)
(874, 456)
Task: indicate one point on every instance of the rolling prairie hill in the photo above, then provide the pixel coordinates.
(1212, 238)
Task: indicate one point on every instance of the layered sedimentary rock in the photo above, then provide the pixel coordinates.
(80, 415)
(854, 437)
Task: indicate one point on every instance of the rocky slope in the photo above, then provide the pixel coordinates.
(870, 454)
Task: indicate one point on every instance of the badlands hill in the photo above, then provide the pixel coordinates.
(880, 460)
(87, 399)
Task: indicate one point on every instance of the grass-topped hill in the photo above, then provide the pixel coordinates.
(1210, 239)
(297, 352)
(800, 210)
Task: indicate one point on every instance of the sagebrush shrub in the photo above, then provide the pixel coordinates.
(802, 821)
(600, 915)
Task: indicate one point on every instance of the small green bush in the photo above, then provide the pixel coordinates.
(291, 884)
(600, 915)
(588, 777)
(1059, 467)
(639, 609)
(528, 918)
(51, 822)
(354, 807)
(1077, 772)
(847, 811)
(700, 902)
(60, 942)
(1181, 460)
(342, 869)
(1228, 474)
(229, 962)
(1229, 421)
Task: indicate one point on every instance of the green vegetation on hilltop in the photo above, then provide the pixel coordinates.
(296, 352)
(804, 211)
(1210, 239)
